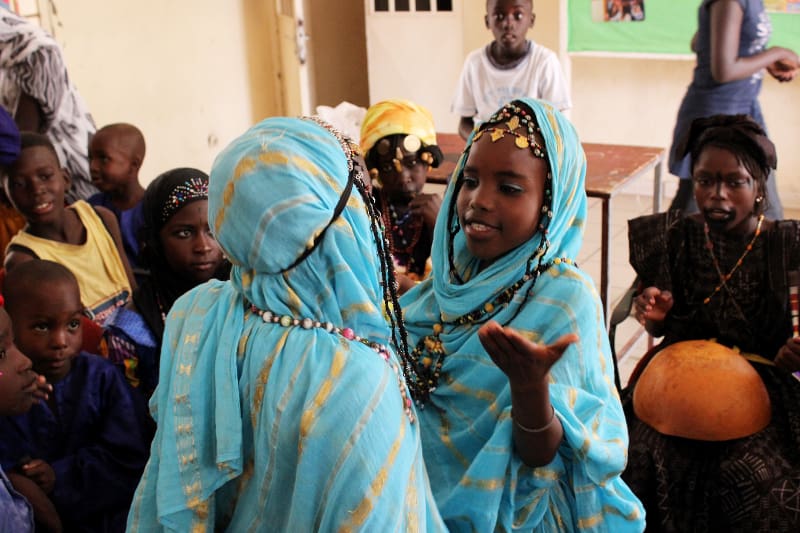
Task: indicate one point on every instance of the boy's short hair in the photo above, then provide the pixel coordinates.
(18, 282)
(30, 139)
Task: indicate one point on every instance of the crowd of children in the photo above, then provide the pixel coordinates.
(377, 356)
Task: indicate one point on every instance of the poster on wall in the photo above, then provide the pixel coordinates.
(782, 6)
(618, 10)
(660, 27)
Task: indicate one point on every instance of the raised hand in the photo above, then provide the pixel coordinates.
(526, 363)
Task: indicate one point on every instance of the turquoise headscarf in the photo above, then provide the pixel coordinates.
(269, 428)
(478, 481)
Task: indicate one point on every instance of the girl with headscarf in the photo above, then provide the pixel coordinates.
(722, 277)
(399, 144)
(281, 406)
(522, 427)
(180, 252)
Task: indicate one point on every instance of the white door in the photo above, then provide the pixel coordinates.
(415, 51)
(294, 68)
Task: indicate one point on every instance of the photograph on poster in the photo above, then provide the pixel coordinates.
(782, 6)
(618, 10)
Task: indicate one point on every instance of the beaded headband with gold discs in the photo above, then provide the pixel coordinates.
(507, 121)
(410, 143)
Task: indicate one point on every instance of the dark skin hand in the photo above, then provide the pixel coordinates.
(788, 356)
(427, 206)
(40, 473)
(726, 65)
(527, 366)
(44, 511)
(651, 307)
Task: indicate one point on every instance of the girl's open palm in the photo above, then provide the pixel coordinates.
(526, 363)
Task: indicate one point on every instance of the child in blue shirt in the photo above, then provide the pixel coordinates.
(86, 447)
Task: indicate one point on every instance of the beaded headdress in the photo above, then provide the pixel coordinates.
(507, 121)
(189, 191)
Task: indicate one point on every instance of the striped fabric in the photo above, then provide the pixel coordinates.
(31, 62)
(478, 481)
(266, 428)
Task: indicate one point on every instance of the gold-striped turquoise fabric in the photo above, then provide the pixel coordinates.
(478, 481)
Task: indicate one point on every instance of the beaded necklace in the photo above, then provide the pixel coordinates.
(288, 321)
(429, 354)
(400, 228)
(723, 278)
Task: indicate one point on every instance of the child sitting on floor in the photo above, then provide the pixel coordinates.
(398, 140)
(116, 153)
(21, 500)
(85, 240)
(86, 447)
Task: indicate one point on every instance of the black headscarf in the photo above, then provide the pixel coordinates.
(168, 193)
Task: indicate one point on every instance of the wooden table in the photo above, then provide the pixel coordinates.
(609, 168)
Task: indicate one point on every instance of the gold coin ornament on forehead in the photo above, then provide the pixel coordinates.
(412, 143)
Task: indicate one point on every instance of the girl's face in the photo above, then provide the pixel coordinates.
(402, 177)
(500, 201)
(36, 184)
(725, 191)
(17, 380)
(189, 247)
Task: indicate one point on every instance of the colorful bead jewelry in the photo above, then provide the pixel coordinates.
(724, 278)
(429, 353)
(288, 321)
(194, 189)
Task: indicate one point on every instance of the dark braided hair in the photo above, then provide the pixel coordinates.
(388, 281)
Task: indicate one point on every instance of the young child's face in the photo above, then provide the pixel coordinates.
(509, 21)
(17, 380)
(47, 326)
(190, 249)
(724, 190)
(501, 198)
(402, 173)
(111, 162)
(36, 184)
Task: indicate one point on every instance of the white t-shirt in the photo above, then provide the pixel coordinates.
(483, 88)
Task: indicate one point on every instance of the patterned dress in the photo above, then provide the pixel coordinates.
(748, 484)
(31, 63)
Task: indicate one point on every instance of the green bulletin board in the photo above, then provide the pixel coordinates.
(668, 28)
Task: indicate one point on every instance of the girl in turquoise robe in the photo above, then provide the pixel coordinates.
(280, 406)
(508, 320)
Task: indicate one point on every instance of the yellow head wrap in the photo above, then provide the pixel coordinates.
(394, 117)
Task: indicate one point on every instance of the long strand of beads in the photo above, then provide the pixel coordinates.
(288, 321)
(429, 353)
(724, 278)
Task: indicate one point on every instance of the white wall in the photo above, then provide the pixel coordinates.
(180, 70)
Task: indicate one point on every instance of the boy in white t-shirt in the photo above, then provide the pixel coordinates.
(509, 67)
